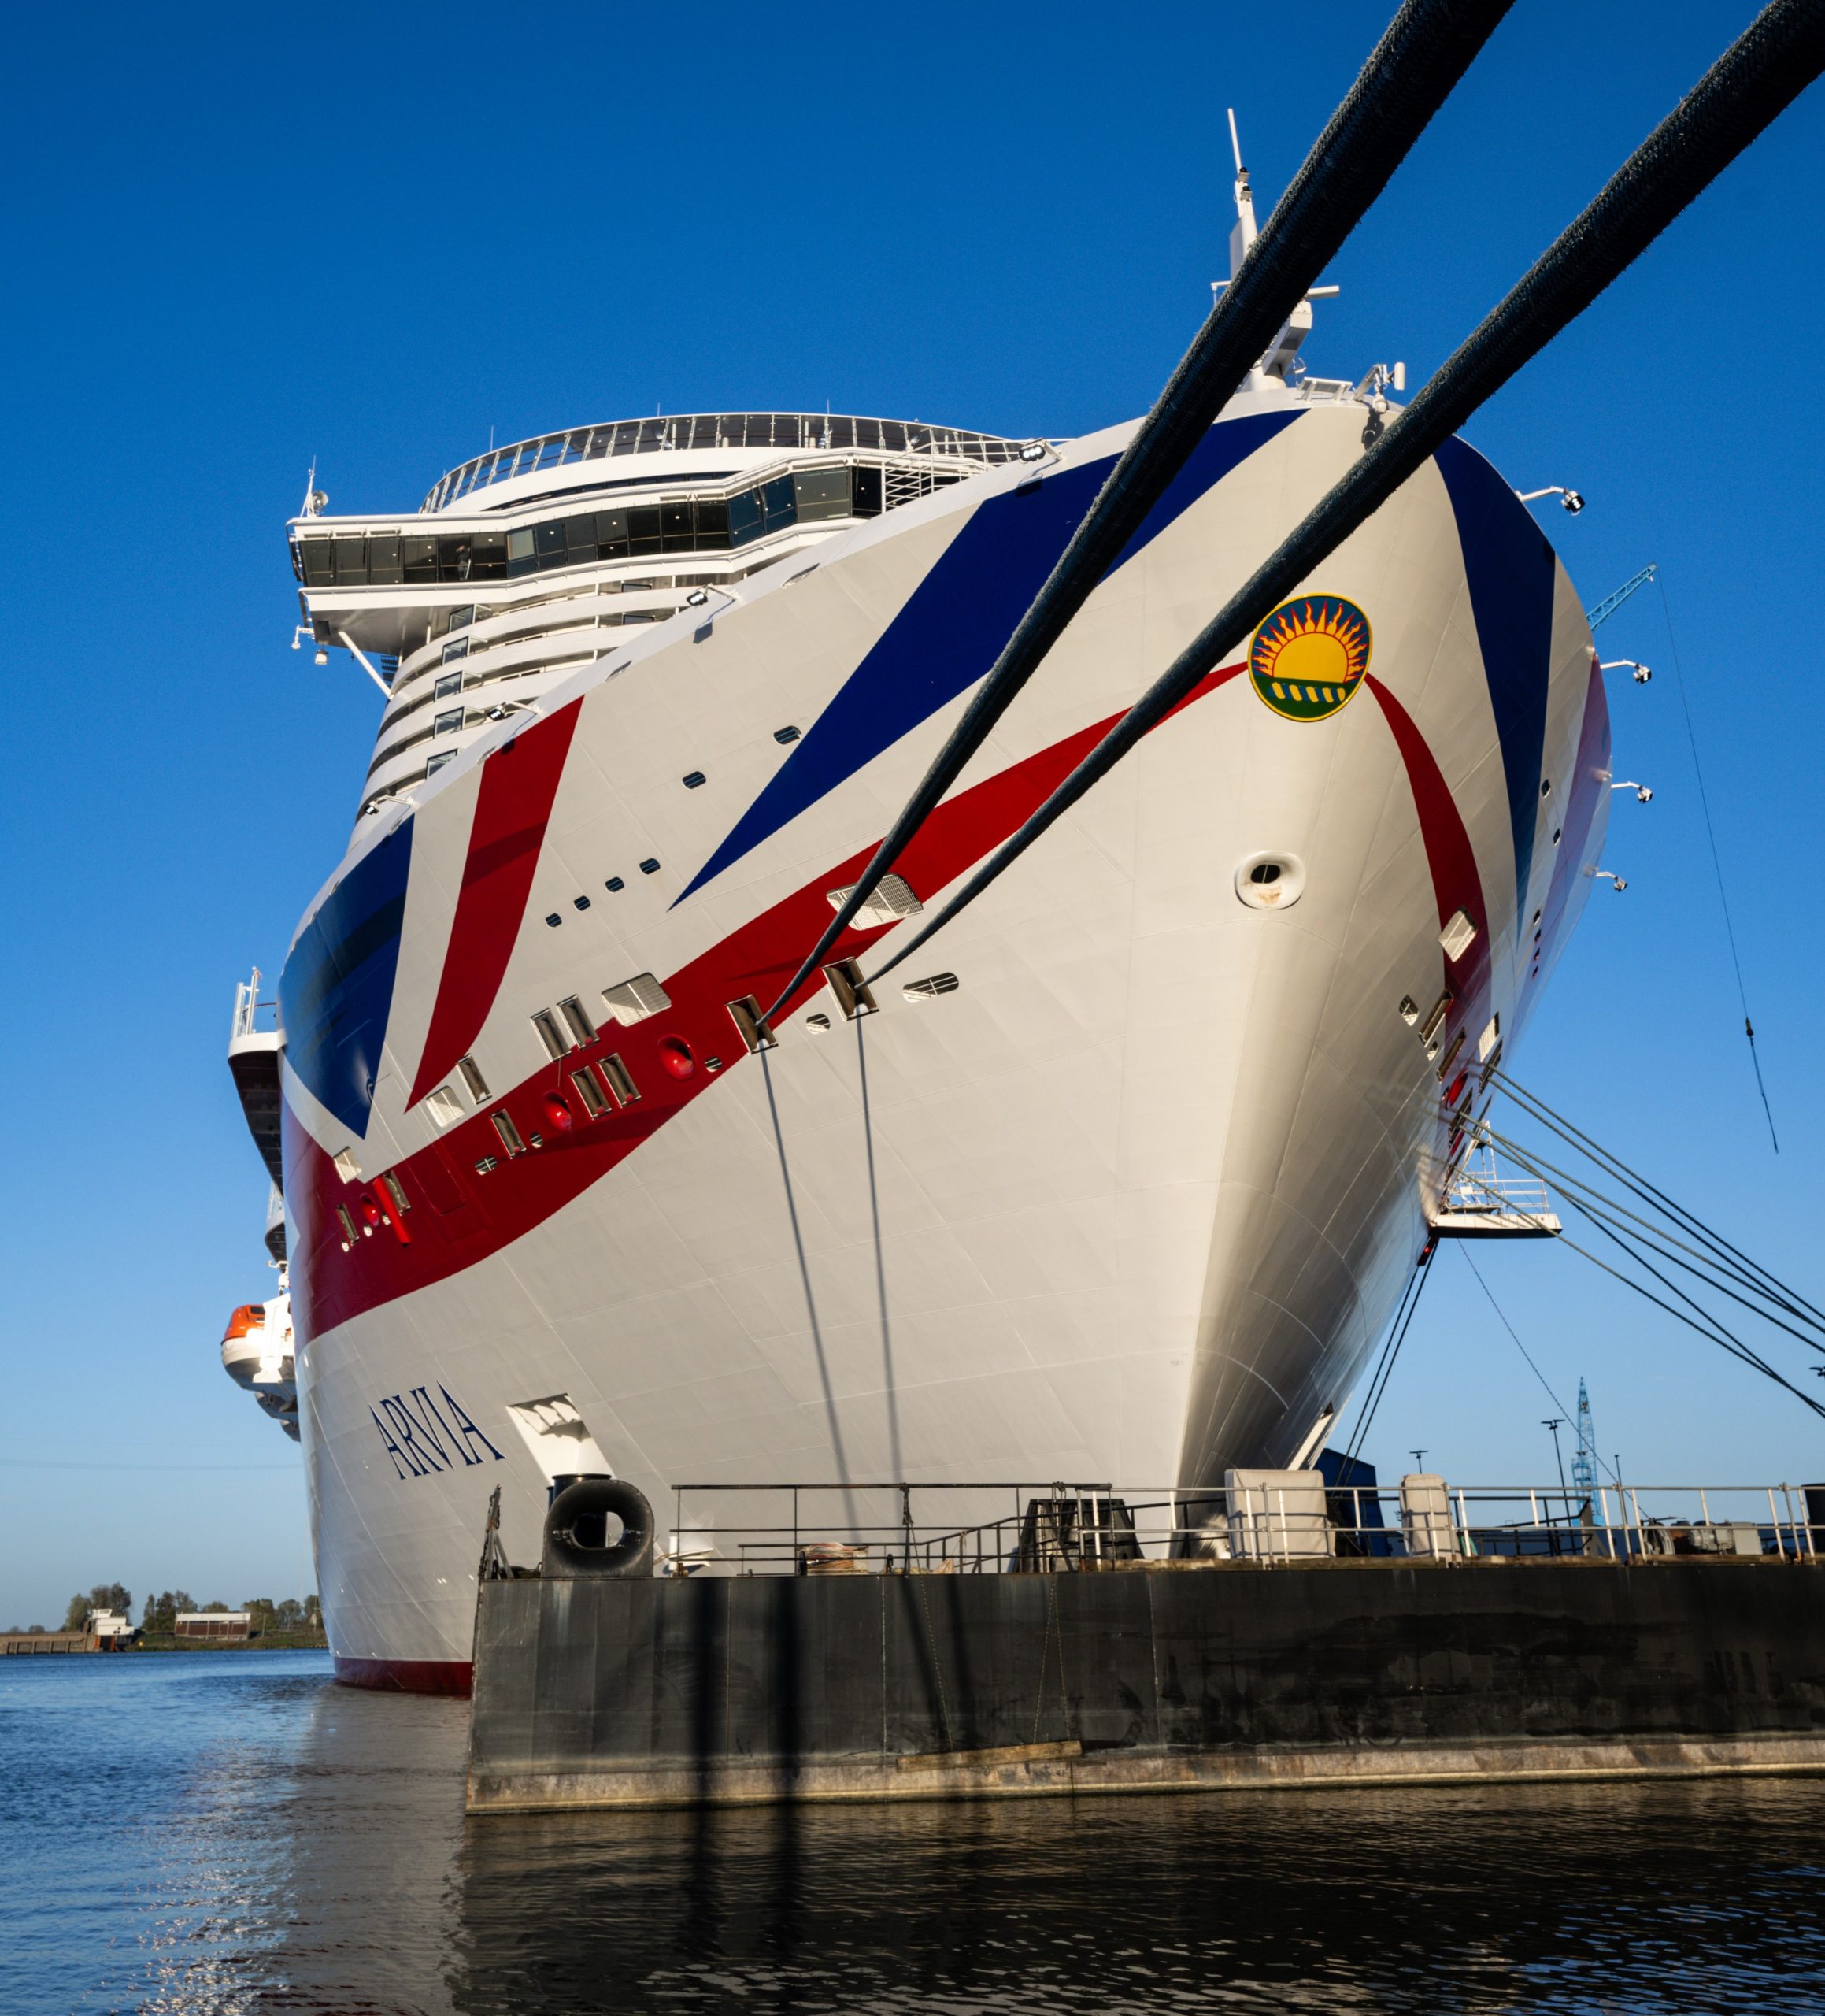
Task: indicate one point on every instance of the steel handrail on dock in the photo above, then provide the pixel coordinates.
(1063, 1526)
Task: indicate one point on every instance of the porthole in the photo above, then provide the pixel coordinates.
(1545, 787)
(1270, 881)
(649, 868)
(614, 884)
(785, 735)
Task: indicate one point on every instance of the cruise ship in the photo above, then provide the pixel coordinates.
(1121, 1179)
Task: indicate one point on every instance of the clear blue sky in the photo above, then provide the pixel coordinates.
(238, 239)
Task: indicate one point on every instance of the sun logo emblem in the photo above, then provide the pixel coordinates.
(1309, 657)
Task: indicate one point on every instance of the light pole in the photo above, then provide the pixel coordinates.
(1552, 1428)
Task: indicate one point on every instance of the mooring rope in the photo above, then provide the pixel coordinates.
(1755, 79)
(1390, 1350)
(893, 1391)
(1411, 70)
(810, 1299)
(1546, 1384)
(1717, 861)
(1728, 1254)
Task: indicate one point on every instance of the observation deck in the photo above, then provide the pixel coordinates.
(506, 572)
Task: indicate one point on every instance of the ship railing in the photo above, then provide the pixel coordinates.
(1275, 1519)
(252, 1017)
(1470, 1190)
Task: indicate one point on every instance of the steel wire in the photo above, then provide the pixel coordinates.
(1413, 69)
(1775, 58)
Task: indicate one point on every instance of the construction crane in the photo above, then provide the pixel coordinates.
(1584, 1459)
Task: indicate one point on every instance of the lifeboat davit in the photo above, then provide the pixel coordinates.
(257, 1354)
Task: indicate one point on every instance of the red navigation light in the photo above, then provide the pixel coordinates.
(675, 1055)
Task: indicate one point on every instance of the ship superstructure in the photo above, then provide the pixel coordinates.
(529, 561)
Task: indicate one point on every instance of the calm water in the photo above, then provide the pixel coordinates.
(228, 1832)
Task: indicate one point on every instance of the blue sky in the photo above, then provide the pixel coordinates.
(239, 239)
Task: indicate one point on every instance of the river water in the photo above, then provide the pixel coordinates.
(232, 1831)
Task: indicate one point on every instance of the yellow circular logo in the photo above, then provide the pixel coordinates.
(1309, 657)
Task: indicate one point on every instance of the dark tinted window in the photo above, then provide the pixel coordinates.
(418, 557)
(821, 494)
(744, 520)
(643, 528)
(777, 502)
(865, 493)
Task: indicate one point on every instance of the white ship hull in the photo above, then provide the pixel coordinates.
(1151, 1178)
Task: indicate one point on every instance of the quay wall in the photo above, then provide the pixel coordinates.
(604, 1691)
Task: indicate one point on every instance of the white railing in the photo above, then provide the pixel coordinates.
(249, 1010)
(1515, 1195)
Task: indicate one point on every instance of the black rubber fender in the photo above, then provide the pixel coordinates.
(593, 1499)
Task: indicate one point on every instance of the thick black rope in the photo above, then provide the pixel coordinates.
(1761, 73)
(1414, 67)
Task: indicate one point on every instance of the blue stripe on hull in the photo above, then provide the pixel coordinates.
(336, 991)
(957, 621)
(1509, 565)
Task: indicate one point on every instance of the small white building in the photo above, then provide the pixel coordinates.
(111, 1629)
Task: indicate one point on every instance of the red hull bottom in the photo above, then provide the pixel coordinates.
(406, 1676)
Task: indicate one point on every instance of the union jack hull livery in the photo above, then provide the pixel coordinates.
(1156, 1126)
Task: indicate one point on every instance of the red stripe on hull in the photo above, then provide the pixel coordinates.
(406, 1676)
(512, 808)
(472, 1215)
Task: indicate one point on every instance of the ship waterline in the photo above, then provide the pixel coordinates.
(1151, 1134)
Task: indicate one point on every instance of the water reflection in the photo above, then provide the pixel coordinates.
(231, 1833)
(1613, 1898)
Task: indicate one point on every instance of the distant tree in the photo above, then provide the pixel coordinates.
(161, 1611)
(104, 1595)
(313, 1613)
(213, 1609)
(288, 1615)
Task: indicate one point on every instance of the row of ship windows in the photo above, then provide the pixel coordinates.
(602, 1087)
(691, 525)
(716, 431)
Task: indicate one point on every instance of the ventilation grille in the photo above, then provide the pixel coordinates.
(634, 1000)
(892, 900)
